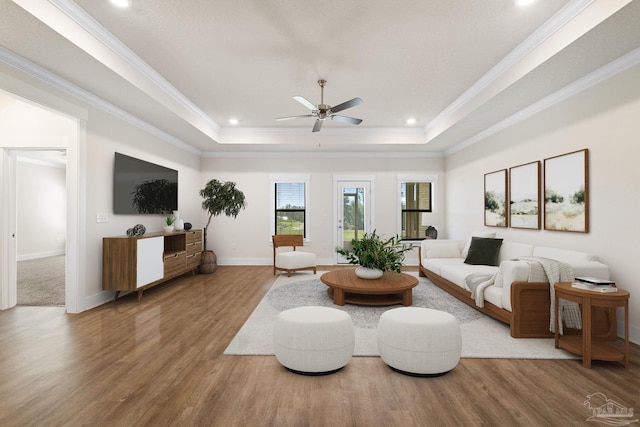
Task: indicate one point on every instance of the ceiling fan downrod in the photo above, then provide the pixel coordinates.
(323, 110)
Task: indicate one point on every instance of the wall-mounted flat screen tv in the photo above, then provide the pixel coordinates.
(141, 187)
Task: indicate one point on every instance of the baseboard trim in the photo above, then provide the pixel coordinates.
(39, 255)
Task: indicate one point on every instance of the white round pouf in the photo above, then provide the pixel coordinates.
(419, 341)
(313, 340)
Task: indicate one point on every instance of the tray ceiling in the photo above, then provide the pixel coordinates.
(459, 67)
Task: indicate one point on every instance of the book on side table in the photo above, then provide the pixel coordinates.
(603, 288)
(595, 281)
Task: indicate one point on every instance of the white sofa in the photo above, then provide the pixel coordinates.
(511, 298)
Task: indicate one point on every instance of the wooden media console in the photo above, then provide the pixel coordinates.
(139, 263)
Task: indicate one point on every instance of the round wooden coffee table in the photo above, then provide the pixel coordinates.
(391, 288)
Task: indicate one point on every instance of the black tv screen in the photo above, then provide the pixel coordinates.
(141, 187)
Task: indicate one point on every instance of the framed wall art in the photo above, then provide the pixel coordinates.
(524, 196)
(566, 192)
(495, 198)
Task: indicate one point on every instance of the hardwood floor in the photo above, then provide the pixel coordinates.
(159, 362)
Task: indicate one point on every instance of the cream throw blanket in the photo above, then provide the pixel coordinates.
(477, 283)
(540, 270)
(554, 271)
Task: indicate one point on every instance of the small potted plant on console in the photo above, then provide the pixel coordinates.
(168, 228)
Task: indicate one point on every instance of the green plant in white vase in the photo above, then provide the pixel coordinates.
(169, 223)
(372, 251)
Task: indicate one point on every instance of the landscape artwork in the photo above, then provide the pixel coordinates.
(566, 195)
(495, 199)
(524, 196)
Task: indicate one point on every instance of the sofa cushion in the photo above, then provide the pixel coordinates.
(512, 250)
(480, 233)
(493, 294)
(512, 271)
(445, 250)
(435, 264)
(564, 255)
(458, 273)
(483, 251)
(499, 280)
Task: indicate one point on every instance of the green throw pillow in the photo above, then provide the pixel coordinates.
(483, 251)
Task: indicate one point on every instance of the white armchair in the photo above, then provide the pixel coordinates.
(292, 260)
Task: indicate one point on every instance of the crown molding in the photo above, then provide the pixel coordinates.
(47, 77)
(321, 155)
(74, 12)
(508, 63)
(600, 75)
(325, 131)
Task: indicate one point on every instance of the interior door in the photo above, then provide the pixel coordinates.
(354, 213)
(8, 251)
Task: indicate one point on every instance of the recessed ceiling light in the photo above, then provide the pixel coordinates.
(524, 2)
(410, 121)
(233, 121)
(121, 3)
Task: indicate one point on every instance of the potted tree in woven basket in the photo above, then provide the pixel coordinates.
(219, 197)
(375, 254)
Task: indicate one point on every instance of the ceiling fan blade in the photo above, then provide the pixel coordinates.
(294, 117)
(304, 101)
(317, 126)
(351, 103)
(345, 119)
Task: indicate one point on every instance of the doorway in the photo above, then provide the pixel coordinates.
(354, 215)
(41, 227)
(28, 125)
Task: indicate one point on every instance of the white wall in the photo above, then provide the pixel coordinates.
(42, 208)
(247, 239)
(603, 119)
(104, 135)
(606, 120)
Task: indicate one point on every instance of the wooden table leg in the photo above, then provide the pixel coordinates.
(338, 296)
(556, 333)
(586, 332)
(407, 297)
(626, 334)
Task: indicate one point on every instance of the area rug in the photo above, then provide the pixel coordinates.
(482, 336)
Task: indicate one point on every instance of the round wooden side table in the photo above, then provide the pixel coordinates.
(584, 345)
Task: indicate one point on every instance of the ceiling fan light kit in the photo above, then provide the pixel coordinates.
(323, 111)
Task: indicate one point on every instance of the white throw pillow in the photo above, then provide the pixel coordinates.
(444, 250)
(481, 233)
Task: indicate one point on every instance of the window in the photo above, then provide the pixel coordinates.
(416, 207)
(290, 206)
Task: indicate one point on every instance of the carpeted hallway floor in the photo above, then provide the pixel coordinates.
(41, 281)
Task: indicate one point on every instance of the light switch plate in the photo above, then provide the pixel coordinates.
(102, 217)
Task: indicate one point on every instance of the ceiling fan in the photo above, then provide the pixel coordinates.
(323, 111)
